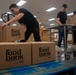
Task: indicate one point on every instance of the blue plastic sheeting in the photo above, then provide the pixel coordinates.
(75, 72)
(47, 68)
(31, 69)
(26, 69)
(50, 65)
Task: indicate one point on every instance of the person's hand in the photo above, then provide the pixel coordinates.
(3, 25)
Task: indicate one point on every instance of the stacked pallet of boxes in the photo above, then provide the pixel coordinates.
(13, 54)
(22, 54)
(17, 54)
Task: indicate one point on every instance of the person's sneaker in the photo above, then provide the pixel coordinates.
(59, 48)
(73, 47)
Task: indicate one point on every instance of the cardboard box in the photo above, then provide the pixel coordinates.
(14, 55)
(12, 33)
(0, 33)
(45, 35)
(43, 52)
(68, 21)
(73, 20)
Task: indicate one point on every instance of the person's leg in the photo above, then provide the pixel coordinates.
(66, 38)
(27, 35)
(75, 36)
(60, 37)
(36, 34)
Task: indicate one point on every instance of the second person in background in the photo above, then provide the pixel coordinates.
(61, 19)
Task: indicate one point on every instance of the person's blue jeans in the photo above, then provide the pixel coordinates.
(61, 36)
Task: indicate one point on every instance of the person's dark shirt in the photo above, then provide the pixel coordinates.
(28, 19)
(62, 16)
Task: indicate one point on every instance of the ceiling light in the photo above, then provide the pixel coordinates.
(70, 14)
(51, 9)
(52, 24)
(51, 19)
(1, 19)
(21, 2)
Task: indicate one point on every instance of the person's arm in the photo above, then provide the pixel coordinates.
(58, 18)
(58, 21)
(16, 18)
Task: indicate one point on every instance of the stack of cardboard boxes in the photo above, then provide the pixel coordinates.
(71, 21)
(16, 54)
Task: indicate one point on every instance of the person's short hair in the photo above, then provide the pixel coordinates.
(13, 5)
(74, 12)
(64, 5)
